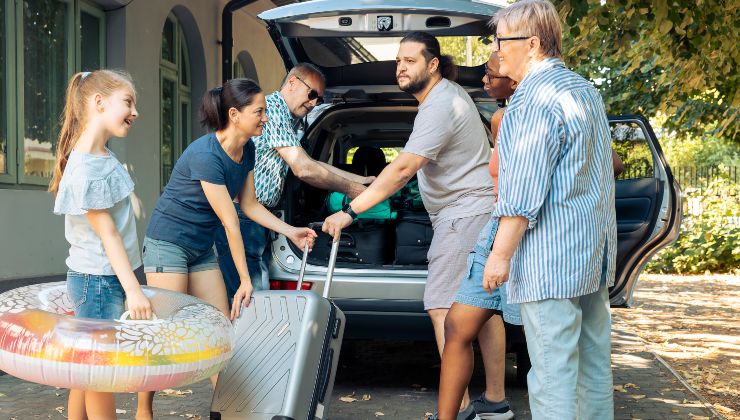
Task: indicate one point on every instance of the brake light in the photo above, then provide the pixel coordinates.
(289, 285)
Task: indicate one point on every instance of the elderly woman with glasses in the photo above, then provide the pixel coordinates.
(556, 239)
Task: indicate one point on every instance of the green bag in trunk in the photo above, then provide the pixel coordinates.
(382, 211)
(408, 197)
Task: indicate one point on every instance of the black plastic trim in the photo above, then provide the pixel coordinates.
(324, 374)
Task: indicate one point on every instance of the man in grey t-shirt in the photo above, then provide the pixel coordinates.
(449, 135)
(449, 151)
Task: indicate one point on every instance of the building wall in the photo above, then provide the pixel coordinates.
(259, 45)
(32, 240)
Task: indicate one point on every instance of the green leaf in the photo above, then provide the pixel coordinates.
(666, 27)
(685, 38)
(661, 9)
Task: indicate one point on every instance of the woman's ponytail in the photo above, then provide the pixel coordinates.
(211, 109)
(215, 105)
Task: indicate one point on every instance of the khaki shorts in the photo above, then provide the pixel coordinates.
(452, 242)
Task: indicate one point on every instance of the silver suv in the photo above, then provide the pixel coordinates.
(355, 43)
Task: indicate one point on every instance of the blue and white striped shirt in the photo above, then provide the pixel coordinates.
(556, 171)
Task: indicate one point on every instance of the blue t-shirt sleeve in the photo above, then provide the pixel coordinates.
(205, 166)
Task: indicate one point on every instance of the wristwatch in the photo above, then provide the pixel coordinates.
(348, 209)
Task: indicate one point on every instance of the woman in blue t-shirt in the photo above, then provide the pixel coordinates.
(213, 171)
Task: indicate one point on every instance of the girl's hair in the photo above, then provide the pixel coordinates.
(235, 93)
(79, 89)
(447, 67)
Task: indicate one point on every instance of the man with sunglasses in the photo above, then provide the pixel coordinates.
(276, 150)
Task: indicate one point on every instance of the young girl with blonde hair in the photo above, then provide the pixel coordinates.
(93, 191)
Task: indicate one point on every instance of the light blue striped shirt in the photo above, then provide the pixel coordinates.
(556, 171)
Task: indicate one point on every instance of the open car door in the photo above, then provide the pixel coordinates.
(647, 202)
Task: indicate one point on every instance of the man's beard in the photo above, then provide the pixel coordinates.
(416, 85)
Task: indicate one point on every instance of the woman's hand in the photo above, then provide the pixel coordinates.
(334, 224)
(243, 294)
(495, 273)
(138, 305)
(301, 236)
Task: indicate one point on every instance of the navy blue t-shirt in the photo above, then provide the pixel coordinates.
(183, 215)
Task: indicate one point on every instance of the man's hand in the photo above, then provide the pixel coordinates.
(355, 190)
(301, 236)
(243, 294)
(495, 273)
(334, 224)
(368, 180)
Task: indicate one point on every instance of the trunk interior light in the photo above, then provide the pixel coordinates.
(289, 285)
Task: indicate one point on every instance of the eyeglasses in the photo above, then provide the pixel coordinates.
(489, 73)
(312, 94)
(498, 40)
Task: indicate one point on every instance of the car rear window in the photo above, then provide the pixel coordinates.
(390, 153)
(343, 51)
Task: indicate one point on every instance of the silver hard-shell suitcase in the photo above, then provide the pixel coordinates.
(285, 355)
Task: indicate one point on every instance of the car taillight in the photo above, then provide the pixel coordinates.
(289, 285)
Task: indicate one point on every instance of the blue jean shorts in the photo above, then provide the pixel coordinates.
(471, 290)
(166, 257)
(96, 296)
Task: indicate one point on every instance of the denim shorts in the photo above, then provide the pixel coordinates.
(166, 257)
(471, 290)
(95, 296)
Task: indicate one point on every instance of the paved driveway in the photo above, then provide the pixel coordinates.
(397, 381)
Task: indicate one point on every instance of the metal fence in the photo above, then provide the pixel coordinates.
(693, 180)
(699, 177)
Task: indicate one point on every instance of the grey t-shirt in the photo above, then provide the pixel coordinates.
(449, 132)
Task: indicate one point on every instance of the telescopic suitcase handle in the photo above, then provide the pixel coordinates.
(329, 269)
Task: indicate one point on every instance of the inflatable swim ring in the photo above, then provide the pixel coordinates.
(41, 342)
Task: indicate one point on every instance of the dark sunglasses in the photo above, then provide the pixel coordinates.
(312, 94)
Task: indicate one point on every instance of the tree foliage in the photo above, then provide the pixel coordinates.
(710, 234)
(457, 47)
(678, 58)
